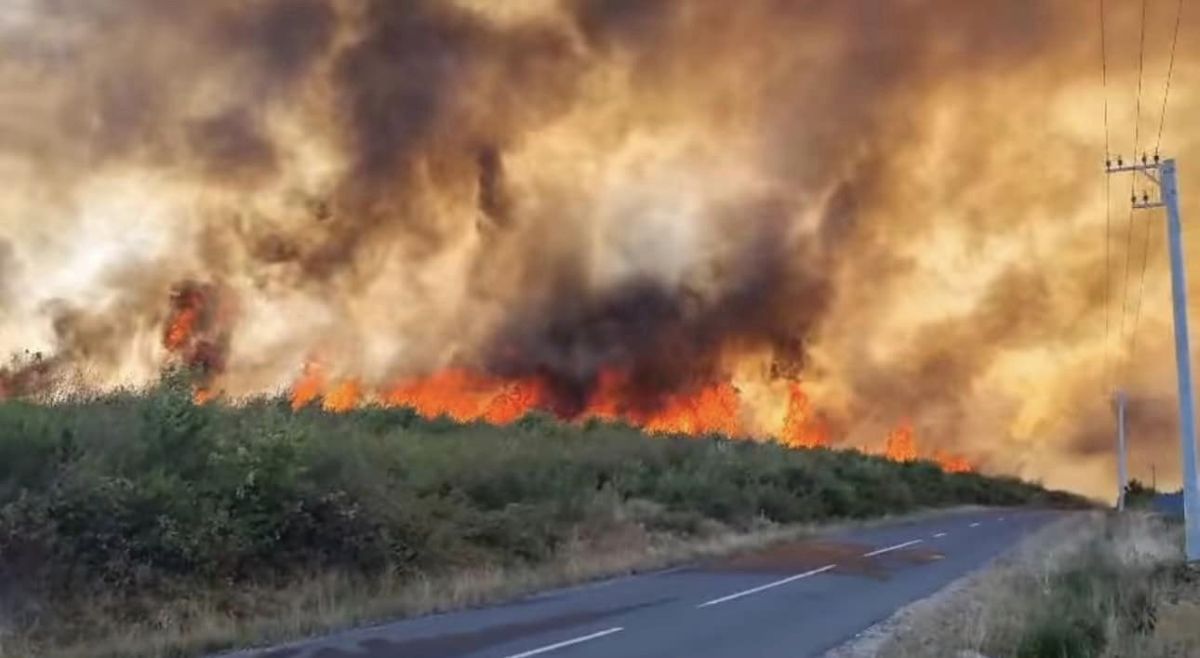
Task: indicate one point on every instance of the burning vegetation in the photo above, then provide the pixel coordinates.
(808, 222)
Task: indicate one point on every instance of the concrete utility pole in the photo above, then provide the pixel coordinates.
(1162, 174)
(1122, 454)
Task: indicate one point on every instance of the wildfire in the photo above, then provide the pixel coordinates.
(186, 305)
(901, 444)
(194, 335)
(953, 463)
(180, 329)
(801, 429)
(466, 396)
(309, 386)
(713, 408)
(344, 396)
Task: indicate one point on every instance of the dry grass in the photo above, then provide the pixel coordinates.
(201, 623)
(1090, 586)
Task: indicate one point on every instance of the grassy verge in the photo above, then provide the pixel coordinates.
(143, 525)
(1093, 586)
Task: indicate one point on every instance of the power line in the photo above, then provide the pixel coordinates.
(1137, 115)
(1107, 203)
(1170, 69)
(1161, 123)
(1137, 316)
(1137, 125)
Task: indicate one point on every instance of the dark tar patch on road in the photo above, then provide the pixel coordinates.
(850, 558)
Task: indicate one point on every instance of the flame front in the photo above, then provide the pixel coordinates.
(713, 409)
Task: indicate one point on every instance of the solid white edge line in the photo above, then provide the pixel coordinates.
(889, 549)
(760, 588)
(567, 643)
(939, 535)
(975, 525)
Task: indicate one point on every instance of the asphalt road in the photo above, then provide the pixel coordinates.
(794, 600)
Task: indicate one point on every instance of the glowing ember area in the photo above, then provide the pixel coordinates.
(901, 445)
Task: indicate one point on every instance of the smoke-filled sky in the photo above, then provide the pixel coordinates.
(898, 204)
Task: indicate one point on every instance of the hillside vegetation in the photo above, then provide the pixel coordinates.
(142, 524)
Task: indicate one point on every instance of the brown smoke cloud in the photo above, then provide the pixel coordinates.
(899, 204)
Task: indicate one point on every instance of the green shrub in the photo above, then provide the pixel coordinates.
(1058, 636)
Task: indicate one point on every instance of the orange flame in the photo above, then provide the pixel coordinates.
(309, 386)
(901, 446)
(901, 443)
(801, 429)
(712, 409)
(344, 397)
(466, 395)
(180, 328)
(953, 463)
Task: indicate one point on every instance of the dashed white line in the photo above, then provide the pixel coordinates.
(938, 535)
(1002, 518)
(567, 643)
(889, 549)
(760, 588)
(975, 525)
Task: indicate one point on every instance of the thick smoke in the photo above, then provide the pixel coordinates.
(899, 204)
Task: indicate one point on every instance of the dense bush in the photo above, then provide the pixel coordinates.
(135, 493)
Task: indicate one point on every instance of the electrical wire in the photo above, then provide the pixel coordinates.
(1161, 122)
(1137, 315)
(1107, 206)
(1170, 69)
(1137, 124)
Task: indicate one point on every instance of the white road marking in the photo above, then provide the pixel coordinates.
(974, 525)
(939, 535)
(1002, 518)
(760, 588)
(889, 549)
(567, 643)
